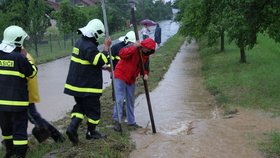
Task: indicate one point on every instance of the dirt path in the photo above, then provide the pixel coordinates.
(189, 125)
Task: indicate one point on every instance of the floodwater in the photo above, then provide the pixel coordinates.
(188, 122)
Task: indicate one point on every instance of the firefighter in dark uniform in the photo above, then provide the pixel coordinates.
(14, 70)
(84, 80)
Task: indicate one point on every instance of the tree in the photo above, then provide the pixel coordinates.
(38, 23)
(242, 20)
(70, 18)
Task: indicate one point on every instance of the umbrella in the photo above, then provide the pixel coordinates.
(148, 22)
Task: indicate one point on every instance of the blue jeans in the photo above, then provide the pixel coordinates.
(124, 91)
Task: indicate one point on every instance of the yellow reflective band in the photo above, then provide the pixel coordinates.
(76, 51)
(7, 63)
(12, 73)
(85, 90)
(14, 103)
(77, 115)
(20, 142)
(95, 122)
(117, 57)
(80, 61)
(34, 70)
(104, 58)
(95, 61)
(7, 137)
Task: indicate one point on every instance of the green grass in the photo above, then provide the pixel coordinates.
(271, 147)
(251, 85)
(116, 145)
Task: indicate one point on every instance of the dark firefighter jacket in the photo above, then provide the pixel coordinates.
(85, 72)
(128, 68)
(115, 49)
(14, 69)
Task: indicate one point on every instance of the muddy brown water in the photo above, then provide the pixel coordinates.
(188, 122)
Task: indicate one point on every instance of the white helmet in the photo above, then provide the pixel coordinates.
(94, 28)
(13, 37)
(129, 37)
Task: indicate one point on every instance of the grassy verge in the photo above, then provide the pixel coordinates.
(251, 85)
(271, 147)
(116, 145)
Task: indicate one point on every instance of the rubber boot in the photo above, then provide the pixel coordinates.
(20, 151)
(92, 133)
(9, 148)
(55, 134)
(72, 130)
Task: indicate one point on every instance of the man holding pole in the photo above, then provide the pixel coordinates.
(126, 73)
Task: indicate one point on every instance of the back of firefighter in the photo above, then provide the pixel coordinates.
(14, 70)
(84, 80)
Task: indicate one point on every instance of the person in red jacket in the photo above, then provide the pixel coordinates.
(126, 73)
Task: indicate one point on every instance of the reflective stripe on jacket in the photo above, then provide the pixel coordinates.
(14, 69)
(115, 49)
(85, 71)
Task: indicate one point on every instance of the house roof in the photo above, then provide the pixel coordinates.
(53, 4)
(89, 2)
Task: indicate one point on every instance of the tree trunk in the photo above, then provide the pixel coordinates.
(36, 45)
(242, 55)
(51, 43)
(72, 39)
(64, 40)
(222, 41)
(36, 48)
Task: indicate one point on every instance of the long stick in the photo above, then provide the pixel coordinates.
(111, 63)
(132, 4)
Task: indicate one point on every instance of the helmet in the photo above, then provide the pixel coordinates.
(94, 28)
(14, 35)
(129, 37)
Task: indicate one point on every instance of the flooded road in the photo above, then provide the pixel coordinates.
(189, 125)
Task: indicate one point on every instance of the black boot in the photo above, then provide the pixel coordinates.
(20, 151)
(55, 134)
(92, 133)
(72, 130)
(9, 148)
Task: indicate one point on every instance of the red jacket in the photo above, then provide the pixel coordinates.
(128, 68)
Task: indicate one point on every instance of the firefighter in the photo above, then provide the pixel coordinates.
(84, 81)
(14, 71)
(43, 129)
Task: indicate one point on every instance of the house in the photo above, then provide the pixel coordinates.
(53, 4)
